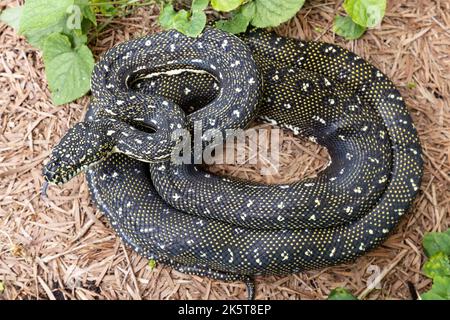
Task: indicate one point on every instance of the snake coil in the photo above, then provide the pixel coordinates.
(208, 225)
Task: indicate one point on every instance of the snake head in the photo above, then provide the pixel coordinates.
(81, 147)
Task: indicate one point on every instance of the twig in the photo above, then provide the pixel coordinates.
(380, 277)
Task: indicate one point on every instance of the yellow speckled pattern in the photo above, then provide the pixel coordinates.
(228, 229)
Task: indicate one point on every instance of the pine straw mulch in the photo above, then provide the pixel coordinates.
(64, 248)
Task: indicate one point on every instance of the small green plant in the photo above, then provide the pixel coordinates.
(190, 23)
(341, 294)
(411, 85)
(151, 264)
(437, 248)
(362, 14)
(258, 13)
(60, 29)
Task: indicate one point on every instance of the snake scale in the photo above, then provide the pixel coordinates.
(229, 229)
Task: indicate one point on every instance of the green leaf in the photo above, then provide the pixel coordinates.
(192, 27)
(434, 242)
(411, 85)
(198, 23)
(77, 38)
(105, 8)
(74, 18)
(2, 287)
(439, 291)
(437, 265)
(167, 16)
(269, 13)
(237, 24)
(225, 5)
(341, 294)
(11, 16)
(181, 19)
(199, 5)
(190, 24)
(366, 13)
(345, 27)
(239, 21)
(68, 70)
(43, 17)
(248, 10)
(86, 25)
(86, 10)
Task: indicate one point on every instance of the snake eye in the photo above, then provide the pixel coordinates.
(143, 126)
(75, 150)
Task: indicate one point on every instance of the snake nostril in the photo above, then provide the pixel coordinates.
(48, 175)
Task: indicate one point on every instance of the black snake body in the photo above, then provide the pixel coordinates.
(228, 229)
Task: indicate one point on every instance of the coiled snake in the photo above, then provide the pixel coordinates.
(204, 224)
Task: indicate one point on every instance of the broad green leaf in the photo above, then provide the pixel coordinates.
(430, 295)
(345, 27)
(237, 24)
(239, 21)
(74, 18)
(41, 18)
(11, 16)
(225, 5)
(68, 70)
(77, 38)
(434, 242)
(37, 37)
(198, 22)
(269, 13)
(167, 16)
(439, 291)
(86, 10)
(199, 5)
(366, 13)
(181, 19)
(190, 24)
(40, 14)
(437, 265)
(341, 294)
(2, 287)
(248, 10)
(86, 26)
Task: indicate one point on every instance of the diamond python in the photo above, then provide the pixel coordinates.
(228, 229)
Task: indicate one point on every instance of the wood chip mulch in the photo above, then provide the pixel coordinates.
(62, 247)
